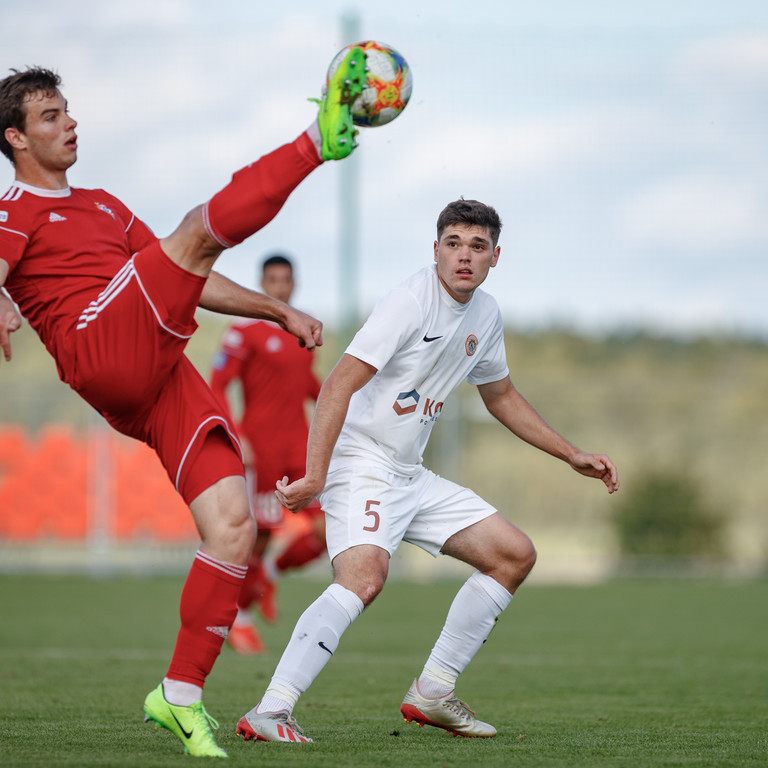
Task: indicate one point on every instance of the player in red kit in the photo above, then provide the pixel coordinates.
(115, 307)
(277, 380)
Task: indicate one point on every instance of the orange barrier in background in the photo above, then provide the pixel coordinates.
(63, 486)
(49, 488)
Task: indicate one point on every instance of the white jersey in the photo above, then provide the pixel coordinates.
(423, 344)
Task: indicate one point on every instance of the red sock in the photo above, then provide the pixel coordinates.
(208, 608)
(252, 583)
(258, 191)
(302, 550)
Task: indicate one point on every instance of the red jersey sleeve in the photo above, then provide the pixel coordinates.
(228, 365)
(313, 386)
(13, 241)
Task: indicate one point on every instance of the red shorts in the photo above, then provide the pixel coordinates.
(267, 510)
(126, 358)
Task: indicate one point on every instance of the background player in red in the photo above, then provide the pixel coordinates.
(276, 380)
(115, 307)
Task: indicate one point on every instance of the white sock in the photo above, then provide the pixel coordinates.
(271, 571)
(314, 640)
(181, 694)
(243, 618)
(435, 683)
(314, 133)
(470, 620)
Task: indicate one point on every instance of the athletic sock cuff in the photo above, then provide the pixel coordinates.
(490, 588)
(348, 600)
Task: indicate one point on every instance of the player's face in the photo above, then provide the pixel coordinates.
(464, 255)
(48, 140)
(277, 282)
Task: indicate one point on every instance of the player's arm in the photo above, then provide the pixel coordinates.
(349, 375)
(508, 406)
(229, 298)
(10, 319)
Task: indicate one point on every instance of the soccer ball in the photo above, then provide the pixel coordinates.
(388, 84)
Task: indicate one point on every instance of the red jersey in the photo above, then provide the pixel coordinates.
(277, 379)
(63, 246)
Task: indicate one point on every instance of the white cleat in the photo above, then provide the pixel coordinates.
(271, 726)
(446, 712)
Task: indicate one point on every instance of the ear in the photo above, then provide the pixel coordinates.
(15, 138)
(496, 254)
(434, 248)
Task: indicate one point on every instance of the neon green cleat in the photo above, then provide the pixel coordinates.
(191, 724)
(335, 117)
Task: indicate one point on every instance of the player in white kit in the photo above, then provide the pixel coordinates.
(373, 418)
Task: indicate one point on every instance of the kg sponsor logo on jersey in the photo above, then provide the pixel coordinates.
(408, 402)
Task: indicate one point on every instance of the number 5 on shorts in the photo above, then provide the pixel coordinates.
(372, 513)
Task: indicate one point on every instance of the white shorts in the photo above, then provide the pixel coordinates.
(365, 504)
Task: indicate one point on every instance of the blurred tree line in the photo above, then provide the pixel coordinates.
(684, 420)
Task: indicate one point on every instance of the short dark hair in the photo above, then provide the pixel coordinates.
(274, 259)
(470, 213)
(14, 92)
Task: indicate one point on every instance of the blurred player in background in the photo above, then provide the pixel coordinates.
(115, 305)
(276, 380)
(373, 418)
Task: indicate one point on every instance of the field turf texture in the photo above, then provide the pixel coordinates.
(627, 673)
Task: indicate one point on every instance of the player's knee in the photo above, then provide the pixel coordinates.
(363, 571)
(526, 555)
(517, 561)
(233, 537)
(368, 590)
(190, 245)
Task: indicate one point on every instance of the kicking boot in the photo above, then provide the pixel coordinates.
(191, 724)
(335, 116)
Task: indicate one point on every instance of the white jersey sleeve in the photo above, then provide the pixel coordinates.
(392, 325)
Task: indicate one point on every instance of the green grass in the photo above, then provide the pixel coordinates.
(631, 673)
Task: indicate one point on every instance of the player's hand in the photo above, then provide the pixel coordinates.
(597, 465)
(297, 495)
(307, 329)
(10, 321)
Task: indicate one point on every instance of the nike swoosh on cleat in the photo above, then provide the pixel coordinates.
(325, 647)
(431, 338)
(187, 735)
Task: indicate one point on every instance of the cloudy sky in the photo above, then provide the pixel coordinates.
(624, 144)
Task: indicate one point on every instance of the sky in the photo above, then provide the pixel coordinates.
(623, 144)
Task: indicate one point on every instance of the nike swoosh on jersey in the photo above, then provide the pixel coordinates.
(431, 338)
(325, 647)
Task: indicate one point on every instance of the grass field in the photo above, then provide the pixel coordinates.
(630, 673)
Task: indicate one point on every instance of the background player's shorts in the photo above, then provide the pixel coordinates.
(266, 509)
(365, 504)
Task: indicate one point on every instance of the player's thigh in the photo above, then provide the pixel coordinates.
(491, 544)
(366, 505)
(444, 509)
